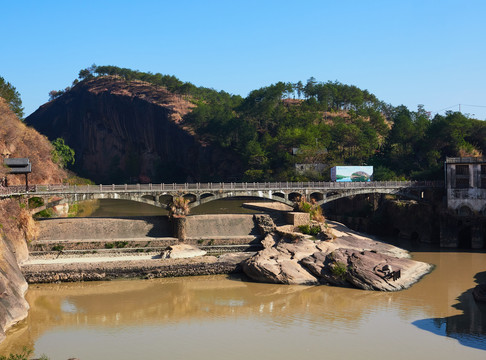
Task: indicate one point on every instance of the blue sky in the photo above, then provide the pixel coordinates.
(405, 52)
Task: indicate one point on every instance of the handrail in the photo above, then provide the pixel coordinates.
(211, 187)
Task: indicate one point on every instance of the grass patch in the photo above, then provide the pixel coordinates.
(310, 230)
(339, 269)
(57, 248)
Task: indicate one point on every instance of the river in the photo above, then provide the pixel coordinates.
(223, 317)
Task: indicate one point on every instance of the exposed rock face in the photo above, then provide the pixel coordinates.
(264, 223)
(13, 306)
(363, 269)
(367, 264)
(131, 131)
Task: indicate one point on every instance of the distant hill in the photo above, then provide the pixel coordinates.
(131, 131)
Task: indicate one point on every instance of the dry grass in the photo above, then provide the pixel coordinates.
(16, 222)
(17, 141)
(179, 207)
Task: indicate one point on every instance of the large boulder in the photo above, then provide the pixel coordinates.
(278, 262)
(366, 270)
(350, 259)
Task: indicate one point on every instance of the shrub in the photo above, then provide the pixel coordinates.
(312, 208)
(58, 248)
(339, 269)
(109, 246)
(310, 230)
(179, 207)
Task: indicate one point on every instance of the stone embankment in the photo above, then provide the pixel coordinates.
(95, 269)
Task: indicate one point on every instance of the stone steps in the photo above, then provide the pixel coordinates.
(120, 252)
(136, 243)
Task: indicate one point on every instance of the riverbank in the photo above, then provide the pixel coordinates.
(141, 266)
(115, 264)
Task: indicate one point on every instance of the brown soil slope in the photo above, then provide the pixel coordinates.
(18, 140)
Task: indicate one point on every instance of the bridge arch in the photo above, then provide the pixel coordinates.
(229, 195)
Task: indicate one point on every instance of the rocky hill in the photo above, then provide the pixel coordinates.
(130, 131)
(19, 140)
(16, 224)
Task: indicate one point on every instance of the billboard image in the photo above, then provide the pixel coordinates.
(351, 173)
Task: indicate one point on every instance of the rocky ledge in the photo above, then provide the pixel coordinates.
(346, 259)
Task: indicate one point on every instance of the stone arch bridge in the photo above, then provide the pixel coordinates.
(161, 195)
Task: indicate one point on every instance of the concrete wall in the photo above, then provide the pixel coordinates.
(220, 225)
(104, 228)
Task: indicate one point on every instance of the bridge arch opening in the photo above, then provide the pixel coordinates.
(316, 196)
(206, 195)
(149, 197)
(191, 197)
(165, 199)
(279, 194)
(295, 196)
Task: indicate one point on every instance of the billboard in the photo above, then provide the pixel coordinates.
(351, 173)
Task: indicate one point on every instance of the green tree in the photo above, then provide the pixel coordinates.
(11, 95)
(62, 154)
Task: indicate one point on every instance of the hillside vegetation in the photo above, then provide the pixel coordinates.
(19, 140)
(278, 126)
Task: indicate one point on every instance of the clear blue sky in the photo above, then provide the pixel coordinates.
(405, 52)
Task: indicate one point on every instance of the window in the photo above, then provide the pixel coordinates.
(462, 170)
(462, 183)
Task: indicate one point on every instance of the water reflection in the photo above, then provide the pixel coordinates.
(217, 314)
(469, 327)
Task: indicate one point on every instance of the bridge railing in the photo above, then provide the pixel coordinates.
(187, 187)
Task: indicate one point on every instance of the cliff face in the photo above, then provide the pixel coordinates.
(131, 131)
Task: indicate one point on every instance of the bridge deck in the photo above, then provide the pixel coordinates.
(212, 187)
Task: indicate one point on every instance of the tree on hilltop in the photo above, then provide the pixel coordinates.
(12, 96)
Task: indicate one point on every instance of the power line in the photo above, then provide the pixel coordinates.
(459, 105)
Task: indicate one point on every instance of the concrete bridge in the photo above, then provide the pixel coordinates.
(161, 195)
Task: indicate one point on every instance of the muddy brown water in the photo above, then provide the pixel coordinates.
(221, 317)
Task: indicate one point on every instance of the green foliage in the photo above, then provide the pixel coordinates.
(116, 244)
(62, 154)
(12, 96)
(339, 269)
(310, 230)
(73, 210)
(311, 207)
(35, 202)
(328, 122)
(47, 213)
(24, 355)
(58, 248)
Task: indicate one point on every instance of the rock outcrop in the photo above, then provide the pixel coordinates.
(181, 251)
(13, 306)
(132, 131)
(350, 260)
